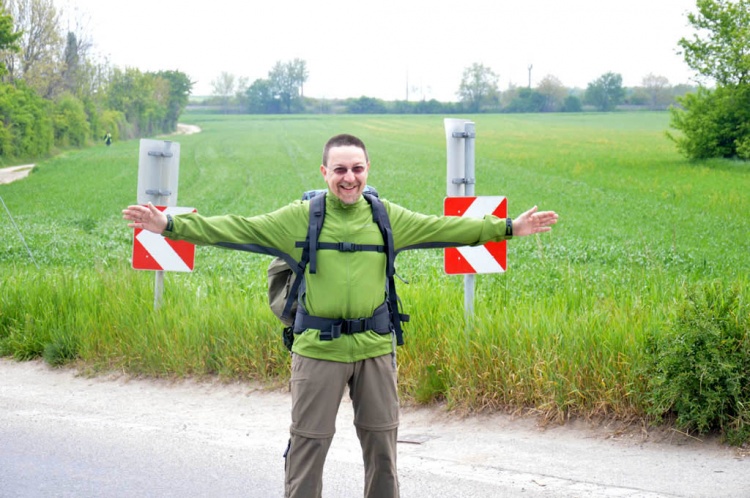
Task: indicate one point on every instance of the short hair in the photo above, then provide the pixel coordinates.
(343, 140)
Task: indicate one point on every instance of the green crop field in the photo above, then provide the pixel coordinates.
(565, 331)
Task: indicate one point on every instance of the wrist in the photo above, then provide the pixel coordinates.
(508, 227)
(170, 223)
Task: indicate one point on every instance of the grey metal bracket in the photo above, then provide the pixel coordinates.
(462, 181)
(162, 193)
(464, 134)
(159, 153)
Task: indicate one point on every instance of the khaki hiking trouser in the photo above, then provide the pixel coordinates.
(317, 388)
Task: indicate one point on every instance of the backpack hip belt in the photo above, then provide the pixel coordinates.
(332, 328)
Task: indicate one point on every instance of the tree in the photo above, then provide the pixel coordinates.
(299, 74)
(81, 75)
(478, 87)
(240, 92)
(553, 92)
(260, 98)
(223, 87)
(8, 38)
(716, 123)
(721, 47)
(180, 87)
(39, 62)
(605, 92)
(286, 80)
(282, 85)
(658, 91)
(72, 68)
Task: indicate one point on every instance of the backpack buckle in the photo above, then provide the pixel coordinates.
(335, 331)
(347, 247)
(356, 326)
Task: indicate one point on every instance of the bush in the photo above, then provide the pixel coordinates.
(700, 369)
(572, 104)
(526, 100)
(743, 148)
(713, 123)
(60, 350)
(114, 122)
(366, 105)
(26, 121)
(70, 121)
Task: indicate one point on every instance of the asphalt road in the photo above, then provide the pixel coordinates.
(63, 435)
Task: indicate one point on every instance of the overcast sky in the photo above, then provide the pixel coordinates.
(379, 48)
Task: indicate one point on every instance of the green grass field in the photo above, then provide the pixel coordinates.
(563, 332)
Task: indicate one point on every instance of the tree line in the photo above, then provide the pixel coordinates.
(54, 93)
(281, 93)
(479, 92)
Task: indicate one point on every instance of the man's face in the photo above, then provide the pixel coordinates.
(346, 172)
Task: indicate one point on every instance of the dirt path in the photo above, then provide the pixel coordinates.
(13, 173)
(8, 175)
(186, 129)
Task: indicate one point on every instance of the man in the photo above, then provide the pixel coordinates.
(346, 285)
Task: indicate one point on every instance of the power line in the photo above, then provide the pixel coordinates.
(19, 232)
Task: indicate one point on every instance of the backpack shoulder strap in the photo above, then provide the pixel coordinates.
(380, 217)
(309, 248)
(317, 215)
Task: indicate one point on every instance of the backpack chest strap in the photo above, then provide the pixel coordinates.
(345, 246)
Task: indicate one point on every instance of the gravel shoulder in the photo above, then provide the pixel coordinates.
(503, 452)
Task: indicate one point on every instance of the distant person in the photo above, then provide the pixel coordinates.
(347, 289)
(108, 139)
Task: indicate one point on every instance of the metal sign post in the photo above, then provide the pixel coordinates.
(158, 172)
(460, 137)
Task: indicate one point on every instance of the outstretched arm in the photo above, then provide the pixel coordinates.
(146, 217)
(532, 222)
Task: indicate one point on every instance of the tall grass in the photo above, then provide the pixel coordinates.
(562, 332)
(105, 320)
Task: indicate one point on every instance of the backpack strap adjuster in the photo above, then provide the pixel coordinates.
(350, 326)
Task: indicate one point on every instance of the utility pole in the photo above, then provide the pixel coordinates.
(530, 67)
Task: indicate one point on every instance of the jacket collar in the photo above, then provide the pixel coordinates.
(335, 203)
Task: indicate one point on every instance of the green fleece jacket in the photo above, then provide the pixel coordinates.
(347, 284)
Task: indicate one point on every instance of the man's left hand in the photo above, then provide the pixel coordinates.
(533, 221)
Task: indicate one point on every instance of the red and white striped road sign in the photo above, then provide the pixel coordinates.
(489, 258)
(153, 252)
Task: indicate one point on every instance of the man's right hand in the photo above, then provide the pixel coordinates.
(146, 217)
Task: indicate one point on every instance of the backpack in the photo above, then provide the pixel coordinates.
(286, 279)
(286, 275)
